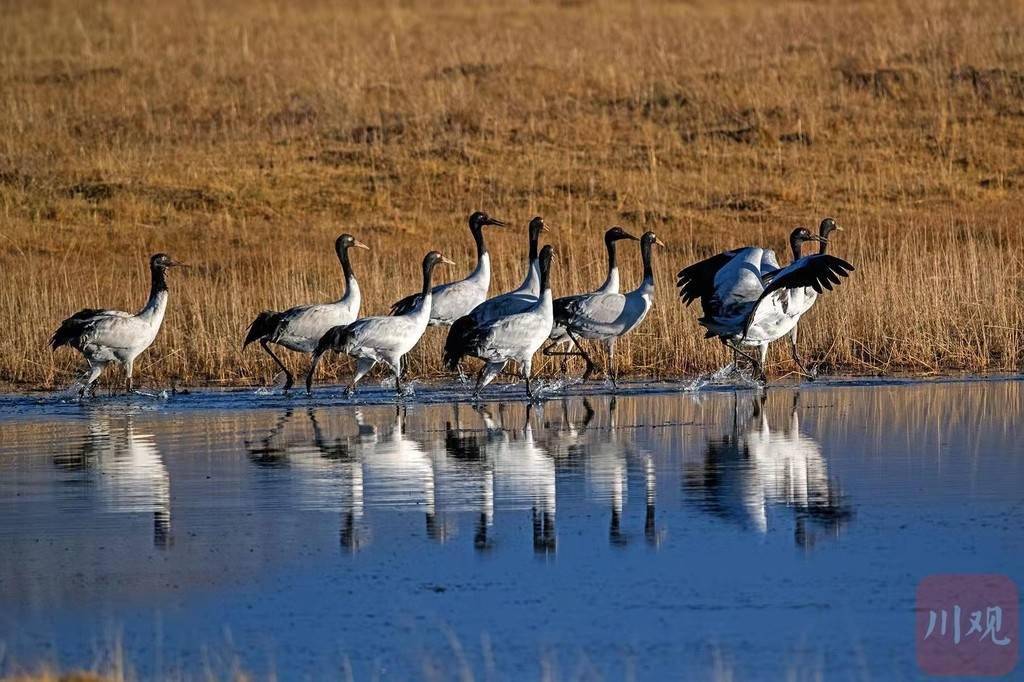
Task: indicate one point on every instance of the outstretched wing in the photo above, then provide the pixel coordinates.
(820, 271)
(698, 280)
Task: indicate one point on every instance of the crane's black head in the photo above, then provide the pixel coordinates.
(617, 233)
(481, 219)
(650, 238)
(433, 259)
(537, 226)
(161, 261)
(547, 254)
(828, 226)
(801, 235)
(347, 241)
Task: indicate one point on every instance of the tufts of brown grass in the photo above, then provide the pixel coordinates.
(243, 136)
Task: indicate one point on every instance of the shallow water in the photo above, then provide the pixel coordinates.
(662, 532)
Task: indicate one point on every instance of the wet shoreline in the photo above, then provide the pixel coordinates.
(15, 405)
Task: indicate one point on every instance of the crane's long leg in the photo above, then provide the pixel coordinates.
(128, 370)
(613, 372)
(289, 379)
(737, 350)
(762, 376)
(363, 366)
(479, 382)
(586, 356)
(809, 373)
(93, 373)
(526, 367)
(565, 354)
(396, 369)
(486, 376)
(312, 372)
(549, 352)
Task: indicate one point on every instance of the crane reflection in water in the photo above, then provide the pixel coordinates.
(329, 470)
(504, 460)
(492, 461)
(124, 469)
(751, 468)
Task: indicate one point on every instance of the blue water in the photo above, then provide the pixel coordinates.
(659, 533)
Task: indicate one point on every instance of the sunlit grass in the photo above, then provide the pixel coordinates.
(243, 137)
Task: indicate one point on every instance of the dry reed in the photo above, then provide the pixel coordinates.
(244, 136)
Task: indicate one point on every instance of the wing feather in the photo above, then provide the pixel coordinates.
(819, 271)
(698, 280)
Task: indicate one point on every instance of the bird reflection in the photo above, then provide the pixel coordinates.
(606, 459)
(608, 474)
(651, 534)
(402, 473)
(468, 450)
(330, 470)
(525, 472)
(126, 470)
(753, 467)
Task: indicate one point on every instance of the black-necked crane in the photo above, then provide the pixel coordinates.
(509, 303)
(381, 339)
(514, 337)
(105, 336)
(608, 317)
(299, 328)
(523, 296)
(455, 299)
(810, 295)
(559, 334)
(748, 301)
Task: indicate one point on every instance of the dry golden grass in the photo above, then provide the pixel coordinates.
(243, 136)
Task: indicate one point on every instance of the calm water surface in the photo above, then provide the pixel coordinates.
(655, 534)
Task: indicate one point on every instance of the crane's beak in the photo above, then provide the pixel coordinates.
(627, 235)
(837, 228)
(178, 264)
(359, 245)
(544, 227)
(447, 261)
(660, 243)
(495, 222)
(818, 238)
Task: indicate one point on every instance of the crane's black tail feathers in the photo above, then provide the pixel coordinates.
(457, 344)
(263, 327)
(71, 329)
(334, 339)
(405, 305)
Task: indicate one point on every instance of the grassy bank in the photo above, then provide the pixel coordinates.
(243, 137)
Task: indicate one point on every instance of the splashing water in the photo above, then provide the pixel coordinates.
(724, 376)
(559, 385)
(280, 379)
